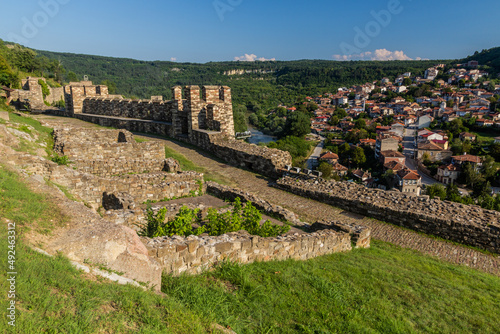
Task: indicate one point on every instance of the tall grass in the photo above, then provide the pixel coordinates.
(384, 289)
(18, 203)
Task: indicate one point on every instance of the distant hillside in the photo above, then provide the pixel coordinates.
(489, 58)
(17, 62)
(265, 85)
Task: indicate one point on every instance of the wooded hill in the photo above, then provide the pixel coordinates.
(489, 58)
(268, 83)
(256, 85)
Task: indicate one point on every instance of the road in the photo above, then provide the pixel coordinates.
(410, 151)
(312, 161)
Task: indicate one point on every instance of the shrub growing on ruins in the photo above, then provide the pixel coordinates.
(153, 222)
(45, 88)
(182, 224)
(240, 218)
(60, 160)
(156, 226)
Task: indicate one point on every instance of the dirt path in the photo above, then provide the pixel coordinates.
(311, 210)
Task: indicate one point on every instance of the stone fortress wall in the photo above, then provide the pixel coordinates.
(177, 254)
(141, 187)
(32, 92)
(466, 224)
(194, 254)
(112, 162)
(110, 152)
(201, 117)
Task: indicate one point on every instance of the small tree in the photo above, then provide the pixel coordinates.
(426, 159)
(436, 190)
(357, 156)
(472, 177)
(326, 169)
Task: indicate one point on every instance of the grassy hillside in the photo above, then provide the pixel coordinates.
(18, 62)
(384, 289)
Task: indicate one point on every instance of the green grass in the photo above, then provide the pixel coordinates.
(140, 140)
(18, 203)
(45, 139)
(384, 289)
(188, 165)
(54, 297)
(486, 136)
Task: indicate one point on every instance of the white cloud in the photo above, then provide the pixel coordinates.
(252, 57)
(173, 59)
(380, 54)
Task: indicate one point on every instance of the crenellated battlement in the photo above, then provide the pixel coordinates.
(192, 108)
(202, 116)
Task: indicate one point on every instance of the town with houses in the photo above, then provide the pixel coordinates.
(404, 133)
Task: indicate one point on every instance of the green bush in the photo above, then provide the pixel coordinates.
(240, 218)
(45, 88)
(59, 104)
(60, 160)
(157, 227)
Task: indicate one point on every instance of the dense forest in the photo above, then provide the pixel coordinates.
(267, 85)
(257, 86)
(17, 62)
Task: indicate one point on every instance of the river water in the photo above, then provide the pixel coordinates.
(259, 137)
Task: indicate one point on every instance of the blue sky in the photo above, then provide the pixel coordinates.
(219, 30)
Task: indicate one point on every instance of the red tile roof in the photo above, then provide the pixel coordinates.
(467, 158)
(392, 154)
(329, 155)
(408, 174)
(451, 168)
(394, 165)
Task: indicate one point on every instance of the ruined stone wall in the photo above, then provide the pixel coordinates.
(112, 161)
(195, 254)
(142, 187)
(134, 125)
(156, 109)
(466, 224)
(361, 235)
(204, 120)
(76, 92)
(263, 160)
(109, 152)
(56, 95)
(276, 211)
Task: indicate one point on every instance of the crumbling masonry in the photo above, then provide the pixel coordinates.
(204, 120)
